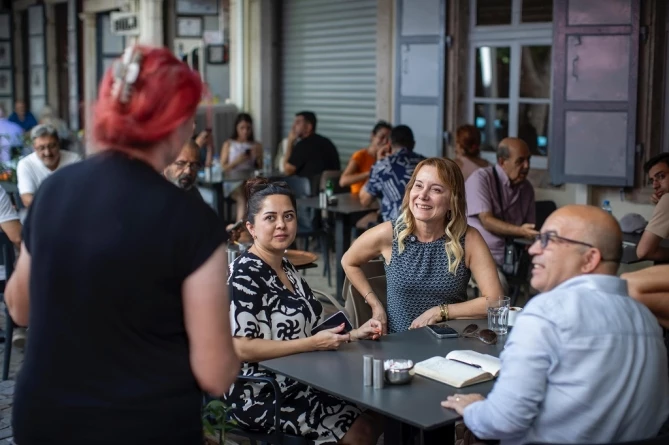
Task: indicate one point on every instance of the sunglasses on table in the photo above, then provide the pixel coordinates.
(485, 335)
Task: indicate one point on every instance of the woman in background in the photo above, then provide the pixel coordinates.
(468, 150)
(240, 153)
(126, 298)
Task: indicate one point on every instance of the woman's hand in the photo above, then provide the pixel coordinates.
(370, 330)
(430, 316)
(329, 339)
(379, 314)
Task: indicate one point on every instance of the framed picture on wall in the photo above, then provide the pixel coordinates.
(197, 7)
(4, 26)
(37, 81)
(5, 54)
(189, 27)
(6, 103)
(217, 54)
(5, 82)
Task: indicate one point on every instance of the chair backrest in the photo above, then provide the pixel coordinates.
(300, 186)
(8, 258)
(334, 175)
(355, 305)
(373, 268)
(543, 211)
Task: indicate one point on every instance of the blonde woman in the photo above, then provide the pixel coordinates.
(430, 253)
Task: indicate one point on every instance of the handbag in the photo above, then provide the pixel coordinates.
(510, 265)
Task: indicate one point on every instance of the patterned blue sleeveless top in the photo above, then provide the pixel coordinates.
(418, 280)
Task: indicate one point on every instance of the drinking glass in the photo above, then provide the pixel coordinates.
(498, 314)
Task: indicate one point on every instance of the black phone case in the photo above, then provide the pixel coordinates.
(332, 322)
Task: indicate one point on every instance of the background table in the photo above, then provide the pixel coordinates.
(416, 404)
(347, 211)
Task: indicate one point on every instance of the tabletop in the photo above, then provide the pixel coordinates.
(418, 403)
(347, 203)
(235, 176)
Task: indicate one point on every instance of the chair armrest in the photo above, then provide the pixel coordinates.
(278, 396)
(331, 299)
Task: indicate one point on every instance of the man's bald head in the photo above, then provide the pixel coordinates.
(513, 155)
(575, 240)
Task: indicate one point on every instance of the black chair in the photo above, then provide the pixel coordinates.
(309, 222)
(277, 437)
(8, 259)
(659, 440)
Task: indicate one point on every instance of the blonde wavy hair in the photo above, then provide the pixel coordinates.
(455, 224)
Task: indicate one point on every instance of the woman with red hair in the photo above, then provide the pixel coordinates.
(126, 298)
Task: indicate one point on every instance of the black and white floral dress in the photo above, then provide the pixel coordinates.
(262, 307)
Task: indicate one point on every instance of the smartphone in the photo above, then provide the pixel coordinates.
(248, 152)
(334, 321)
(442, 331)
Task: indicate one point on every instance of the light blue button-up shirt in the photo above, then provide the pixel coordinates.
(584, 363)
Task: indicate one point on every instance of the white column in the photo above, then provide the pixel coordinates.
(237, 61)
(151, 22)
(51, 60)
(90, 69)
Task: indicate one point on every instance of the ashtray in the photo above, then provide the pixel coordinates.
(398, 371)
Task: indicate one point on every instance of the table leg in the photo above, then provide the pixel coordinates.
(342, 243)
(395, 432)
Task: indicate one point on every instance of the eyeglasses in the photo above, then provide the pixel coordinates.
(545, 237)
(192, 165)
(485, 335)
(50, 146)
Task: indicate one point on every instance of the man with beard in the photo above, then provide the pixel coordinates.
(32, 170)
(500, 200)
(658, 227)
(183, 171)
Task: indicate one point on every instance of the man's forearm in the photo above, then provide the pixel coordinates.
(499, 227)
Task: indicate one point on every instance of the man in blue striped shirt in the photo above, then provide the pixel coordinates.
(584, 363)
(390, 175)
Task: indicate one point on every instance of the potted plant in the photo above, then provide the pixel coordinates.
(216, 423)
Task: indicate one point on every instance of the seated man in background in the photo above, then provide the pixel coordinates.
(657, 229)
(22, 117)
(391, 173)
(312, 154)
(584, 363)
(39, 165)
(183, 171)
(11, 136)
(500, 200)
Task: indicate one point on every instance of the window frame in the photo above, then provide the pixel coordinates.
(515, 36)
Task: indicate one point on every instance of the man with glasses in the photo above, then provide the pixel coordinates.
(657, 229)
(39, 165)
(183, 171)
(584, 362)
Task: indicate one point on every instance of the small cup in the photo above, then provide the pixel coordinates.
(498, 312)
(513, 313)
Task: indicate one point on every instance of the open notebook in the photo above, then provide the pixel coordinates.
(460, 368)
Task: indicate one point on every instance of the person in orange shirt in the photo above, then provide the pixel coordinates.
(358, 168)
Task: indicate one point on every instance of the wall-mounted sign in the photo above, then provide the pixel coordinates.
(197, 7)
(124, 23)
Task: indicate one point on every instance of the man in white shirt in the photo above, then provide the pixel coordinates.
(584, 362)
(39, 165)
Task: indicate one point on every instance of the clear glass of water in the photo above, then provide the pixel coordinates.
(498, 314)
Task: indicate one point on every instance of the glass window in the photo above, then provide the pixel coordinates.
(533, 11)
(493, 12)
(492, 71)
(533, 122)
(493, 122)
(535, 71)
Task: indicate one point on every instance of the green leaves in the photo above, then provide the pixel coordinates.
(215, 418)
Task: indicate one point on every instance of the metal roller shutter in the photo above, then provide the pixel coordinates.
(329, 67)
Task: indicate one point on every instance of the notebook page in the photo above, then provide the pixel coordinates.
(487, 362)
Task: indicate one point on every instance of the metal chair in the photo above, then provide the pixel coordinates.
(8, 259)
(309, 222)
(659, 440)
(277, 437)
(359, 311)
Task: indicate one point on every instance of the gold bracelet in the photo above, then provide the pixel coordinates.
(365, 297)
(444, 312)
